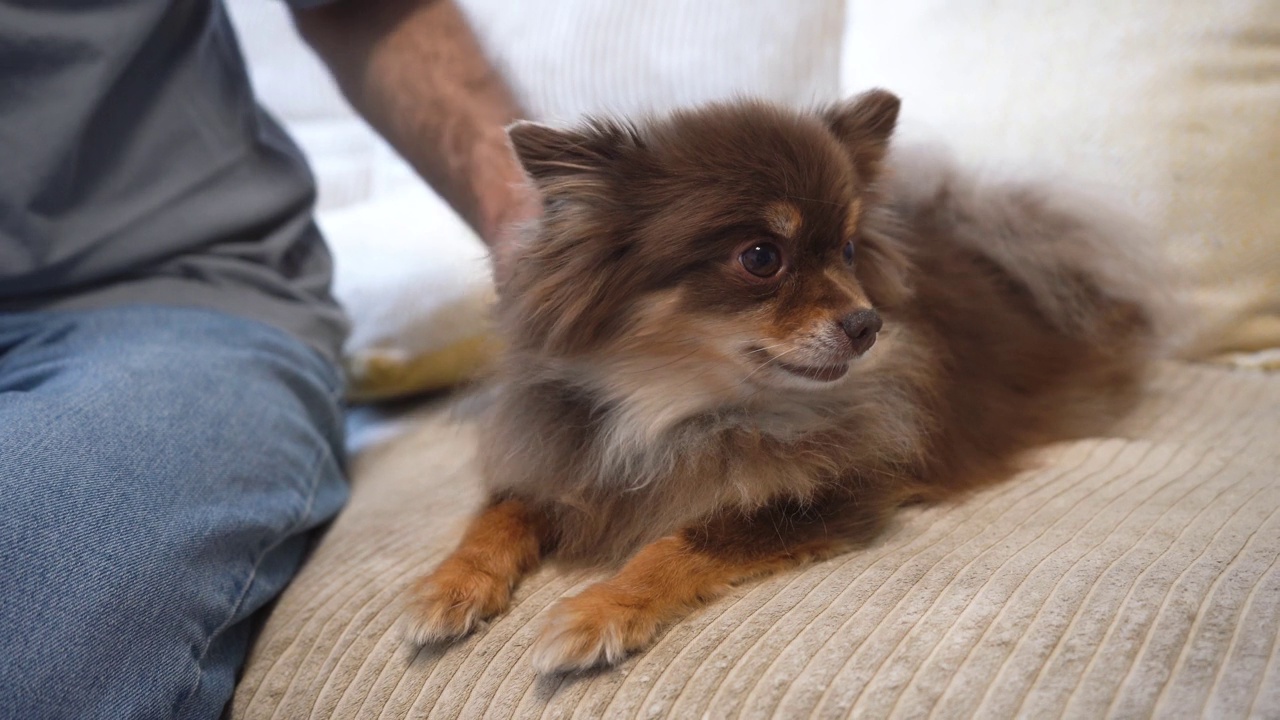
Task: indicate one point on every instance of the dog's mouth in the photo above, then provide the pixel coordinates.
(817, 373)
(825, 373)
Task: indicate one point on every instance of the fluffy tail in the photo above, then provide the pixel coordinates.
(1092, 269)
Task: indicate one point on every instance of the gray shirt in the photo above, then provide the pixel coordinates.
(136, 167)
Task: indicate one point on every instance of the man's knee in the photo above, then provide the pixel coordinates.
(154, 496)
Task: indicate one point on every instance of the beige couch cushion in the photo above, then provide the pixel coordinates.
(1129, 575)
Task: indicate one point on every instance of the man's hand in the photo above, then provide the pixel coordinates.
(415, 70)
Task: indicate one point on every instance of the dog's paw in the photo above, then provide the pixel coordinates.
(450, 602)
(591, 630)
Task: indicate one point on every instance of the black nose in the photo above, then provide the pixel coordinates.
(861, 326)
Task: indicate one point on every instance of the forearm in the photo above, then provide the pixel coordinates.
(415, 70)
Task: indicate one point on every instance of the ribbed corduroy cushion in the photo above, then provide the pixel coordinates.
(1127, 576)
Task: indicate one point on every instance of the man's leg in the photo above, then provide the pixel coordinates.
(160, 470)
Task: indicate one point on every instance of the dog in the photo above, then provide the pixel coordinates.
(742, 335)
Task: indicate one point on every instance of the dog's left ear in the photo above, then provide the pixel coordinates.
(863, 124)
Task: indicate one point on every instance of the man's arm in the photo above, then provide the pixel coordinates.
(415, 70)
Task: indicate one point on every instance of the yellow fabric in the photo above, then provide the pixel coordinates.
(1266, 360)
(376, 375)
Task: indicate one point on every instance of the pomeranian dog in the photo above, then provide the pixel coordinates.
(742, 335)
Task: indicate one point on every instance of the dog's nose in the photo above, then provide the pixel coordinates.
(861, 326)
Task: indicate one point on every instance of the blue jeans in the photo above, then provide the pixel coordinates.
(161, 470)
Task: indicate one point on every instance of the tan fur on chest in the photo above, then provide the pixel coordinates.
(672, 451)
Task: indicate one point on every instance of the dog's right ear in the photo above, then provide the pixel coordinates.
(555, 157)
(864, 124)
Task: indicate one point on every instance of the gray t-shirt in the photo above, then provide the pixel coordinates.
(136, 167)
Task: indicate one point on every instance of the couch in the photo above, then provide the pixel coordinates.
(1135, 574)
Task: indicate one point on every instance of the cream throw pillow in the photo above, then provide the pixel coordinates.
(1174, 107)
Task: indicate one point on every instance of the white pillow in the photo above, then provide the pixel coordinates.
(568, 58)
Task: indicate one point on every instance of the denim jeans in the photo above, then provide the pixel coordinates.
(161, 470)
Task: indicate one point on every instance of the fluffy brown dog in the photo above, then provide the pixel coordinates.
(736, 345)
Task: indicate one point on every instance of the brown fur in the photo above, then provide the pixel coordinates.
(784, 219)
(650, 414)
(502, 543)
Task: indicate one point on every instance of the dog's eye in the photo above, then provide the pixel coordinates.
(847, 252)
(762, 260)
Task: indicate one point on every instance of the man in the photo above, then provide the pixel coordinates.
(170, 425)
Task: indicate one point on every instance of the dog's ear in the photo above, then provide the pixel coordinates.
(864, 124)
(555, 157)
(558, 295)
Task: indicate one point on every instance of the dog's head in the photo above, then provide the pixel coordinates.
(733, 241)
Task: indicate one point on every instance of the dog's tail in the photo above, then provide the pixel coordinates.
(1092, 269)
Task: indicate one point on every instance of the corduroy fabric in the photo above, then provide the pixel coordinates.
(1127, 576)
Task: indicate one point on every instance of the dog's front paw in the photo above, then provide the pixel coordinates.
(591, 630)
(450, 602)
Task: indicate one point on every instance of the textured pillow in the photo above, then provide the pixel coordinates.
(572, 57)
(1172, 106)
